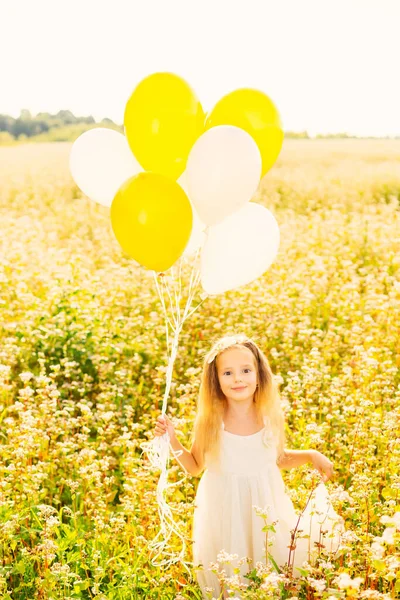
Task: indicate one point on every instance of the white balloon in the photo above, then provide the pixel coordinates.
(100, 161)
(240, 249)
(223, 172)
(197, 237)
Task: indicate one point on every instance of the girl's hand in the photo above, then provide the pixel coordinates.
(163, 425)
(322, 464)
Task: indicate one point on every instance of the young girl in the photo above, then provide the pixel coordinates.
(239, 438)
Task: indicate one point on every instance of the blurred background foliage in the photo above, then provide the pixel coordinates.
(64, 126)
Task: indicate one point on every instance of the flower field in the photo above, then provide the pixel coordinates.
(82, 371)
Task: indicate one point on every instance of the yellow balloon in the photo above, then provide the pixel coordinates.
(253, 111)
(151, 217)
(163, 118)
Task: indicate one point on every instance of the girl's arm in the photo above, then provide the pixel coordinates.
(186, 459)
(294, 458)
(190, 461)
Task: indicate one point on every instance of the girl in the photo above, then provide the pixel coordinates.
(239, 438)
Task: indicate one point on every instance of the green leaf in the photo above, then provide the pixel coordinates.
(379, 564)
(19, 568)
(388, 492)
(302, 572)
(277, 569)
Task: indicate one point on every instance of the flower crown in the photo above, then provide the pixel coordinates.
(226, 342)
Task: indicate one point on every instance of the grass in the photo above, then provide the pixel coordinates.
(82, 359)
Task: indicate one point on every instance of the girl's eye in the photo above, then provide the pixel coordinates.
(229, 371)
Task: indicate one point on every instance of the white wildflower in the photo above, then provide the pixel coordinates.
(377, 550)
(317, 584)
(388, 535)
(344, 581)
(395, 520)
(223, 556)
(26, 376)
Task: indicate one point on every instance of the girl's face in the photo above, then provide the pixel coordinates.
(237, 373)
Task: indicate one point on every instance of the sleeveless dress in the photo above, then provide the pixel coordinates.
(224, 517)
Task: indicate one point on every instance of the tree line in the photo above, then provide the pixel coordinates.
(65, 126)
(29, 126)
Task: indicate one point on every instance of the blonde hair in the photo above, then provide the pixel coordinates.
(207, 429)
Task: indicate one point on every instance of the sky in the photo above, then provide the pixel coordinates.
(330, 66)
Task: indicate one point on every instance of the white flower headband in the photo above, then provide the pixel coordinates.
(226, 342)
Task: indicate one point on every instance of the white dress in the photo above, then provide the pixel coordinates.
(224, 517)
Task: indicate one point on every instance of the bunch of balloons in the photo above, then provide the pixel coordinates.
(179, 181)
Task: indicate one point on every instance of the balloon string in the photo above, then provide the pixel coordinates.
(180, 277)
(193, 272)
(194, 286)
(171, 362)
(177, 296)
(161, 296)
(166, 287)
(167, 336)
(159, 447)
(196, 307)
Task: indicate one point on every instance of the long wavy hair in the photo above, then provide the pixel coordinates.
(211, 404)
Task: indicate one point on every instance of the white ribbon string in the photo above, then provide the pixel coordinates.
(158, 448)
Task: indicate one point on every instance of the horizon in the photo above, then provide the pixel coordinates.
(286, 132)
(328, 67)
